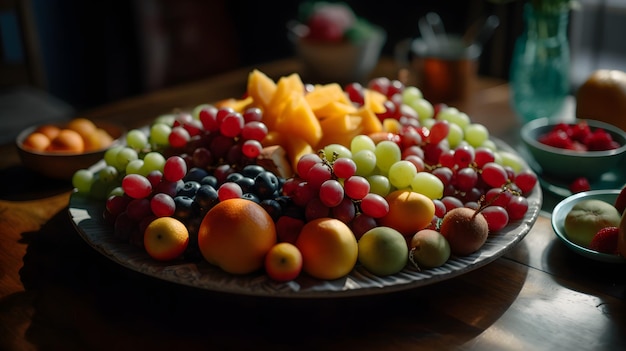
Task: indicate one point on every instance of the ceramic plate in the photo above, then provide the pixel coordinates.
(87, 216)
(562, 209)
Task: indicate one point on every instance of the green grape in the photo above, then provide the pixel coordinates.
(428, 123)
(379, 184)
(490, 144)
(153, 161)
(401, 174)
(123, 157)
(453, 115)
(387, 153)
(99, 189)
(361, 142)
(427, 184)
(82, 180)
(136, 139)
(411, 94)
(424, 109)
(167, 119)
(341, 151)
(365, 161)
(135, 167)
(116, 191)
(455, 135)
(108, 174)
(476, 134)
(159, 134)
(110, 156)
(509, 159)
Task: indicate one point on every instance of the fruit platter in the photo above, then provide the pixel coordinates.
(307, 191)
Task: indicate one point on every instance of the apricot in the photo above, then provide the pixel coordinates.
(36, 141)
(49, 130)
(67, 141)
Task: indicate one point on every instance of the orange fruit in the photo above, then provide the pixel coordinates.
(67, 141)
(235, 235)
(36, 141)
(409, 212)
(329, 248)
(165, 238)
(49, 130)
(97, 140)
(603, 97)
(83, 126)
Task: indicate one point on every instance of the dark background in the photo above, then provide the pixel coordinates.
(95, 52)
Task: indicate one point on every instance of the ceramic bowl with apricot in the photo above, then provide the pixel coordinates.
(57, 150)
(581, 148)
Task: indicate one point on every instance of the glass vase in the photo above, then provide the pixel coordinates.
(539, 73)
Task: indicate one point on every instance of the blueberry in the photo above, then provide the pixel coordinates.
(251, 197)
(189, 189)
(206, 197)
(273, 208)
(196, 174)
(266, 184)
(246, 184)
(252, 171)
(233, 177)
(186, 207)
(209, 180)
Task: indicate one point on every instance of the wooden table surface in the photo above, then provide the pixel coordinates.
(58, 293)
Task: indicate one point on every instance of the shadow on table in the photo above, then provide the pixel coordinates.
(18, 183)
(85, 301)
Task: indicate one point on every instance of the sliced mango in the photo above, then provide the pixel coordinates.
(322, 95)
(374, 101)
(370, 122)
(261, 88)
(335, 109)
(340, 130)
(238, 105)
(285, 87)
(296, 148)
(298, 121)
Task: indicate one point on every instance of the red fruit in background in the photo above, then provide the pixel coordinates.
(328, 22)
(620, 202)
(579, 185)
(605, 240)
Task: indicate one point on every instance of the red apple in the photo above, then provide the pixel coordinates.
(283, 262)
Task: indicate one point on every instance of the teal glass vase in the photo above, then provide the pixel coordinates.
(539, 72)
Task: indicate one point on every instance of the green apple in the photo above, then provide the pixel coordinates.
(383, 251)
(430, 248)
(587, 217)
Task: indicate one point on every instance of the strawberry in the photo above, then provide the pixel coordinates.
(605, 240)
(579, 185)
(620, 202)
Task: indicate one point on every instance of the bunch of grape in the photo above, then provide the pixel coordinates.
(439, 152)
(182, 167)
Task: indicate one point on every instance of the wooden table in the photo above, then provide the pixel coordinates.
(57, 293)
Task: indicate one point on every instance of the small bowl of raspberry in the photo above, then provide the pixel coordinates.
(570, 150)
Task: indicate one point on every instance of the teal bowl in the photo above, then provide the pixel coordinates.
(567, 165)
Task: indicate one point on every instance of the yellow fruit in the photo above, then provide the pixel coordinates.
(329, 248)
(409, 212)
(235, 235)
(165, 238)
(603, 97)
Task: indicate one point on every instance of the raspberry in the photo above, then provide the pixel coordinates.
(605, 240)
(600, 140)
(579, 185)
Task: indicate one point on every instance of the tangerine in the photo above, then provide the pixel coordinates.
(68, 140)
(165, 238)
(235, 235)
(329, 248)
(49, 130)
(409, 212)
(83, 126)
(36, 141)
